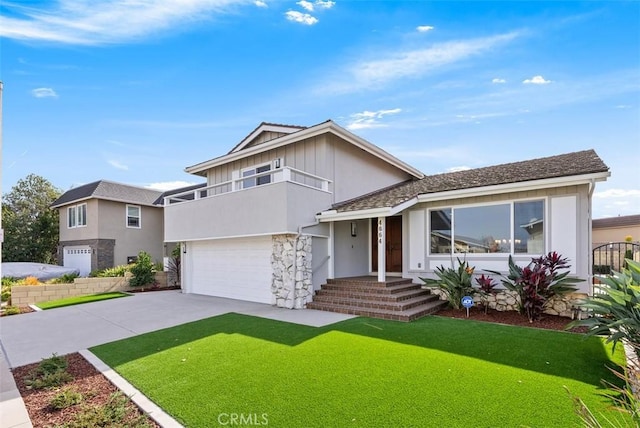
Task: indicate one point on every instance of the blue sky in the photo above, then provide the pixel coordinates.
(135, 91)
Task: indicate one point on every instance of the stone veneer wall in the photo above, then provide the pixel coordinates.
(291, 266)
(23, 295)
(506, 300)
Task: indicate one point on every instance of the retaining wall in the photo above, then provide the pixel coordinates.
(23, 295)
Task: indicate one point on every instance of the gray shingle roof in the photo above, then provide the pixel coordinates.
(565, 165)
(109, 190)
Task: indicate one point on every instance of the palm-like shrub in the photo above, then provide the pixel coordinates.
(615, 306)
(538, 282)
(455, 283)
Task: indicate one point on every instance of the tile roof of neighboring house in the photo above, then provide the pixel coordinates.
(108, 190)
(570, 164)
(620, 221)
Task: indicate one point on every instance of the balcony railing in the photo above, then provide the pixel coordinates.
(255, 180)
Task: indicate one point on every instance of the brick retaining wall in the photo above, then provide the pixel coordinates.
(23, 295)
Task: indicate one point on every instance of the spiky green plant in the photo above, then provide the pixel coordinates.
(615, 306)
(455, 283)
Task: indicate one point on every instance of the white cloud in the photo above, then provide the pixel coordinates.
(536, 80)
(325, 4)
(260, 3)
(424, 28)
(402, 64)
(163, 186)
(44, 93)
(498, 80)
(623, 106)
(107, 21)
(617, 193)
(117, 165)
(302, 18)
(370, 119)
(306, 5)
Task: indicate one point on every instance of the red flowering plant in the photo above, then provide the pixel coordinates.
(538, 282)
(486, 286)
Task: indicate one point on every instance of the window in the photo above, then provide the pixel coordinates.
(77, 216)
(133, 216)
(488, 229)
(251, 181)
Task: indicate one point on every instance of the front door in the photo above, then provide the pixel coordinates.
(393, 249)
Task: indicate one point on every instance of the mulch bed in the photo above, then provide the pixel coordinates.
(23, 310)
(549, 322)
(148, 289)
(95, 388)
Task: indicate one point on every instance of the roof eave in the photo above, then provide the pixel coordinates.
(521, 186)
(334, 215)
(328, 126)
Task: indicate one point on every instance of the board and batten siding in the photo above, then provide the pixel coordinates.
(353, 171)
(566, 232)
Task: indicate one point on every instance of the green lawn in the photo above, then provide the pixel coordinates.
(365, 372)
(69, 301)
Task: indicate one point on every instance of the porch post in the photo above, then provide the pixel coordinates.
(382, 244)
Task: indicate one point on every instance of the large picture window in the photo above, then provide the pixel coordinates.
(516, 227)
(77, 216)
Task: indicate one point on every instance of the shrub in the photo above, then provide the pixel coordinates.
(485, 289)
(454, 283)
(11, 310)
(615, 306)
(67, 397)
(538, 282)
(51, 372)
(6, 293)
(142, 271)
(112, 414)
(116, 271)
(30, 280)
(8, 281)
(174, 265)
(67, 278)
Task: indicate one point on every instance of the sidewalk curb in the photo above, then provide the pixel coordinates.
(146, 405)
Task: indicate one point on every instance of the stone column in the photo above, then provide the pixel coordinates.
(291, 283)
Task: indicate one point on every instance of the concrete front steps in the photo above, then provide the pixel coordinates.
(395, 299)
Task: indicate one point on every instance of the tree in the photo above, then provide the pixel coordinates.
(31, 230)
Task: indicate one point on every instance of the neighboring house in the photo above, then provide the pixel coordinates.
(105, 224)
(290, 207)
(614, 240)
(616, 229)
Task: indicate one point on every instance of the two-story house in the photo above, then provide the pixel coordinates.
(105, 224)
(290, 207)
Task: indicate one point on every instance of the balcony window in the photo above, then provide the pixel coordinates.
(250, 179)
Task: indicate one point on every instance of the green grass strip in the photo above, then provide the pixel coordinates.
(78, 300)
(365, 372)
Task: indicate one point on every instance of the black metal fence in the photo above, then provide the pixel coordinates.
(610, 257)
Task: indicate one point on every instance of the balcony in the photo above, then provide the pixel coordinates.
(271, 202)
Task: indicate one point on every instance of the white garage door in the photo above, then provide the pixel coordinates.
(232, 268)
(78, 257)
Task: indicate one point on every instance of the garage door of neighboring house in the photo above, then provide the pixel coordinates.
(79, 257)
(233, 268)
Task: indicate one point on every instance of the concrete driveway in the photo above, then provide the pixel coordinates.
(28, 338)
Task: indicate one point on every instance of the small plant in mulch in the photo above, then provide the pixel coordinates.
(50, 373)
(111, 414)
(65, 398)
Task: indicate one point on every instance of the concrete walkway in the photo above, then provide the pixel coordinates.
(28, 338)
